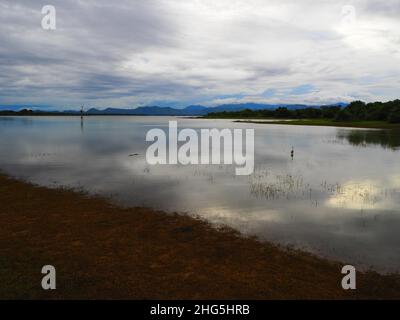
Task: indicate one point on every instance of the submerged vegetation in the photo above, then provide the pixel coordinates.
(379, 113)
(358, 195)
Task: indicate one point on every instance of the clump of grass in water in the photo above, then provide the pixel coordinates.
(282, 186)
(289, 186)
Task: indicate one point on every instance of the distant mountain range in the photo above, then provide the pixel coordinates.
(193, 110)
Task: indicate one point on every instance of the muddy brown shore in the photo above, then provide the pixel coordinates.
(102, 251)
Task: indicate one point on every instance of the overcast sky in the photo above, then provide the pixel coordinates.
(179, 52)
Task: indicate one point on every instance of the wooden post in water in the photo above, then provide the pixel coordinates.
(82, 118)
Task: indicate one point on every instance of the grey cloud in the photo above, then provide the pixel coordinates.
(386, 8)
(128, 53)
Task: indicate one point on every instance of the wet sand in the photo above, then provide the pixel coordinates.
(102, 251)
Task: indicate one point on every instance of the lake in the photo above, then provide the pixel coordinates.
(339, 197)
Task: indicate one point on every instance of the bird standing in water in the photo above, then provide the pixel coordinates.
(292, 153)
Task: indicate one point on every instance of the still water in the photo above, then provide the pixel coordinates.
(339, 197)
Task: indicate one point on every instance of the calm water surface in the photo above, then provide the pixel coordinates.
(339, 197)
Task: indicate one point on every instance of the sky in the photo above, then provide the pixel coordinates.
(181, 52)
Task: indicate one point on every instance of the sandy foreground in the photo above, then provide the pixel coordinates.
(102, 251)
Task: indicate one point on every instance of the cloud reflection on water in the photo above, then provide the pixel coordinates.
(335, 199)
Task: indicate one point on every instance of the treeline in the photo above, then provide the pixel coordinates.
(355, 111)
(27, 112)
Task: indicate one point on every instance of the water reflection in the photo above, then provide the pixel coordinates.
(385, 138)
(334, 199)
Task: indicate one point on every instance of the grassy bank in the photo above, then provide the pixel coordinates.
(330, 123)
(104, 251)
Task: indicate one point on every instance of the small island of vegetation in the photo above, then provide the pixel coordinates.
(385, 115)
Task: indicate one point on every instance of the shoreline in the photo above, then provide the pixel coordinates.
(326, 123)
(102, 251)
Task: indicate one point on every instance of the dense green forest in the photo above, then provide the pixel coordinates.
(355, 111)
